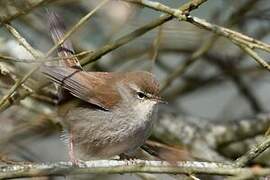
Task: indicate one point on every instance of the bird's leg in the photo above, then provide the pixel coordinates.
(71, 151)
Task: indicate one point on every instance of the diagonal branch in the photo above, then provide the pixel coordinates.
(24, 11)
(237, 38)
(138, 32)
(253, 153)
(77, 26)
(21, 40)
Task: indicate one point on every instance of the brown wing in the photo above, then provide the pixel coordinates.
(83, 85)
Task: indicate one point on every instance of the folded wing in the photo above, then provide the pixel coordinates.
(81, 84)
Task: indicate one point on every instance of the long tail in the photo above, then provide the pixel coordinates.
(57, 29)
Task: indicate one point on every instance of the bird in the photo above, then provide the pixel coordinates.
(105, 113)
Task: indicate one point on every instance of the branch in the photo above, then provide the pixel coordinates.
(20, 82)
(24, 11)
(180, 70)
(21, 40)
(117, 166)
(222, 134)
(253, 153)
(236, 37)
(204, 137)
(30, 49)
(138, 32)
(77, 26)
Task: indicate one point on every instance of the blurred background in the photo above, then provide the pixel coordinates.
(218, 101)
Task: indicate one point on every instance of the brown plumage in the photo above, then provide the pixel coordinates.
(96, 87)
(110, 113)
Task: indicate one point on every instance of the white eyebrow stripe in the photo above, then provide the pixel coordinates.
(135, 87)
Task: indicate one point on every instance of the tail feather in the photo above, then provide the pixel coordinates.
(57, 29)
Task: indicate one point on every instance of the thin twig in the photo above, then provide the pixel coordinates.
(22, 41)
(237, 38)
(188, 7)
(24, 11)
(42, 59)
(32, 51)
(189, 61)
(253, 153)
(77, 26)
(156, 45)
(16, 86)
(255, 56)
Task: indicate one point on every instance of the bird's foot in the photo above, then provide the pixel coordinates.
(126, 157)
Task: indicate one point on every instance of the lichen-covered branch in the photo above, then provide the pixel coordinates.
(202, 136)
(115, 166)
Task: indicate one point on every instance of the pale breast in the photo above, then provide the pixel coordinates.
(101, 134)
(140, 125)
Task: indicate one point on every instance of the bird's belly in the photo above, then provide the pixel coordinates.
(102, 135)
(127, 140)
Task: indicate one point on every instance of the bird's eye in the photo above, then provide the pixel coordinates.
(141, 95)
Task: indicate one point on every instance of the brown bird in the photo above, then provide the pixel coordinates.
(108, 113)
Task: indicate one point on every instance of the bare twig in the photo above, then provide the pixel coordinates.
(255, 56)
(15, 87)
(31, 50)
(156, 45)
(42, 59)
(138, 32)
(24, 11)
(22, 41)
(189, 61)
(77, 26)
(253, 153)
(236, 37)
(28, 47)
